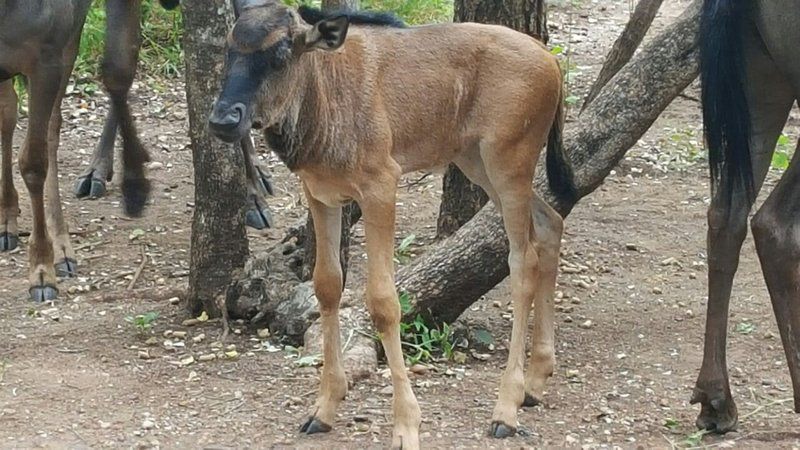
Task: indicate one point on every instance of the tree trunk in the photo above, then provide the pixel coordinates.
(625, 45)
(219, 243)
(339, 4)
(458, 270)
(350, 213)
(461, 199)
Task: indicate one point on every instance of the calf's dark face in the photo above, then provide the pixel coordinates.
(264, 41)
(256, 50)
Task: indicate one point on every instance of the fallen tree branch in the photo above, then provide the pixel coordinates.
(460, 269)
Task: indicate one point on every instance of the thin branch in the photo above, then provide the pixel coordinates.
(625, 46)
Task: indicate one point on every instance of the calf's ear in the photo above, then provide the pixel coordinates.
(327, 34)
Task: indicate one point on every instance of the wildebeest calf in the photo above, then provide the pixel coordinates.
(353, 101)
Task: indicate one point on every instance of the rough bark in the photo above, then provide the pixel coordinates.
(338, 4)
(351, 212)
(218, 243)
(625, 45)
(528, 16)
(458, 270)
(461, 199)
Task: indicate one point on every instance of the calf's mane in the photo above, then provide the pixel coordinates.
(375, 18)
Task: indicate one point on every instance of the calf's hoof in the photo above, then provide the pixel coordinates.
(500, 430)
(8, 241)
(41, 294)
(90, 187)
(531, 400)
(314, 425)
(718, 412)
(67, 268)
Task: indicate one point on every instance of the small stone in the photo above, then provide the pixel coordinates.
(155, 165)
(148, 424)
(179, 334)
(187, 360)
(387, 390)
(207, 357)
(419, 369)
(568, 319)
(586, 324)
(190, 322)
(657, 290)
(664, 403)
(144, 354)
(769, 335)
(497, 304)
(199, 338)
(670, 262)
(263, 333)
(174, 300)
(689, 313)
(631, 247)
(104, 425)
(151, 341)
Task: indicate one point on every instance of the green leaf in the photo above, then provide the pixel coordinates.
(557, 50)
(572, 100)
(780, 160)
(671, 424)
(745, 328)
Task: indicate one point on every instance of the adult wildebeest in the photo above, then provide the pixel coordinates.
(750, 69)
(39, 39)
(350, 102)
(123, 40)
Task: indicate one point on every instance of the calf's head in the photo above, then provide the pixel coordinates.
(266, 39)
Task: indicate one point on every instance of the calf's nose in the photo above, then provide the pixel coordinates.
(227, 118)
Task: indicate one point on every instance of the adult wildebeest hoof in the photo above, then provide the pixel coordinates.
(258, 217)
(134, 195)
(718, 412)
(67, 268)
(40, 294)
(8, 241)
(500, 430)
(314, 425)
(90, 187)
(531, 400)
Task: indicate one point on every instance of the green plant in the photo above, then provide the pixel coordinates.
(161, 52)
(783, 153)
(422, 342)
(745, 328)
(402, 253)
(143, 322)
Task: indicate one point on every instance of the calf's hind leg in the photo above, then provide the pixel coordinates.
(549, 227)
(776, 230)
(511, 173)
(9, 201)
(328, 288)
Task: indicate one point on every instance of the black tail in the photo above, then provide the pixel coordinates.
(726, 116)
(560, 176)
(170, 4)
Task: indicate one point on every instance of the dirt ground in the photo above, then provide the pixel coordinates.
(629, 328)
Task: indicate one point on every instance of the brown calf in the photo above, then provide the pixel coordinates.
(387, 100)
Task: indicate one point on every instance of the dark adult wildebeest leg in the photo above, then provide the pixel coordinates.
(259, 184)
(119, 68)
(776, 230)
(9, 201)
(45, 82)
(770, 98)
(92, 182)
